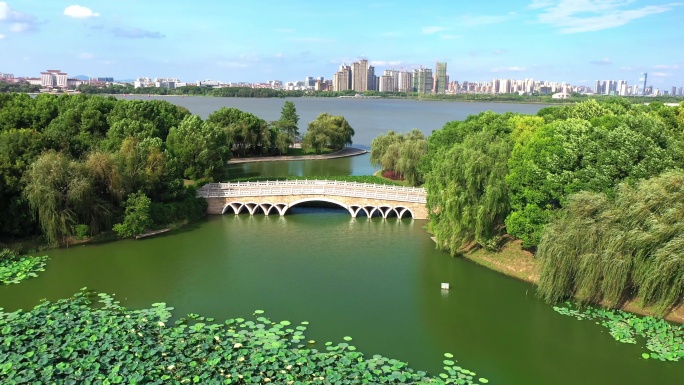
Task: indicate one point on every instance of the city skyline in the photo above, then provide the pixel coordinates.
(540, 39)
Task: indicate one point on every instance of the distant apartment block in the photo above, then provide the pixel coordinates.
(5, 77)
(342, 79)
(422, 80)
(441, 78)
(405, 81)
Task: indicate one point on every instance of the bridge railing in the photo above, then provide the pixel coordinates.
(323, 187)
(314, 182)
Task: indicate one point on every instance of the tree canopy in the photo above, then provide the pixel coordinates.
(328, 131)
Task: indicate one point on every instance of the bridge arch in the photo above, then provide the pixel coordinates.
(321, 199)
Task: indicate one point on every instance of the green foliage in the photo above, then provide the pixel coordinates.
(289, 120)
(467, 196)
(200, 149)
(632, 246)
(82, 231)
(71, 159)
(187, 208)
(328, 131)
(69, 341)
(400, 153)
(247, 133)
(137, 218)
(571, 155)
(664, 340)
(59, 191)
(14, 269)
(18, 149)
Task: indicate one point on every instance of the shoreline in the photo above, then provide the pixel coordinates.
(343, 153)
(515, 262)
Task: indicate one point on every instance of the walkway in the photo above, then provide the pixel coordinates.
(343, 153)
(279, 196)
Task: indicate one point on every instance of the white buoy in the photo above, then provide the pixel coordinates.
(445, 286)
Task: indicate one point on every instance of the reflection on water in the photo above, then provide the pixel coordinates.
(377, 280)
(354, 165)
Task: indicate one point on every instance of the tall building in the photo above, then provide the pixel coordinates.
(54, 78)
(422, 80)
(342, 78)
(363, 76)
(644, 88)
(359, 72)
(405, 82)
(441, 79)
(389, 81)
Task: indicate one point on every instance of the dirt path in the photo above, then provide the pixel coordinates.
(345, 152)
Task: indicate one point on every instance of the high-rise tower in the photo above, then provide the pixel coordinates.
(440, 85)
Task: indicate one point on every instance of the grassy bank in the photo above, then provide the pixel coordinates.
(514, 261)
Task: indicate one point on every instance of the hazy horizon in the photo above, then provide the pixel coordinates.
(576, 41)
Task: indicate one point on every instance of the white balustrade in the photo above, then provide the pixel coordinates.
(313, 187)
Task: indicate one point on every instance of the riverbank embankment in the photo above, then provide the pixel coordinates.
(514, 261)
(343, 153)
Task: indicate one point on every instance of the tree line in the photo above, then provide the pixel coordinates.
(593, 188)
(77, 165)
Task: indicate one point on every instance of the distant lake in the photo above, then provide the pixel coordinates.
(368, 117)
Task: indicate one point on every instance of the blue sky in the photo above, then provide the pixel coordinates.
(577, 41)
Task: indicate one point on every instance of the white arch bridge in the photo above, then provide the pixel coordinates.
(271, 197)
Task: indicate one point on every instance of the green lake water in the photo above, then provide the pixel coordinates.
(373, 279)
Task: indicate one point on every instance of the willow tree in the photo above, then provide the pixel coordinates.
(400, 153)
(467, 196)
(608, 250)
(328, 131)
(60, 193)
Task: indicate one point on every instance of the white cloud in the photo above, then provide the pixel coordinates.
(509, 69)
(433, 29)
(18, 21)
(602, 62)
(86, 55)
(660, 74)
(446, 36)
(20, 27)
(5, 11)
(574, 16)
(79, 12)
(669, 67)
(2, 36)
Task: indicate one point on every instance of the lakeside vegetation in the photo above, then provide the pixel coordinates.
(73, 341)
(664, 340)
(248, 92)
(593, 189)
(15, 268)
(76, 166)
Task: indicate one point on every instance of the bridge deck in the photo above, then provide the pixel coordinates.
(313, 187)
